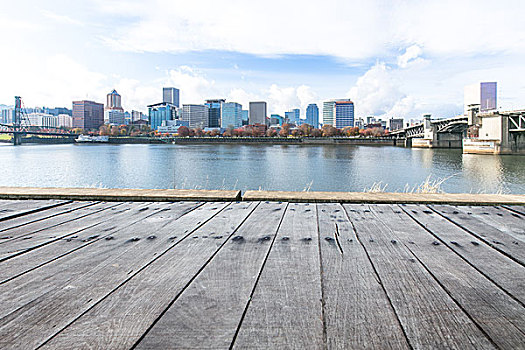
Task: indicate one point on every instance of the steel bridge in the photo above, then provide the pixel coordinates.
(451, 125)
(22, 127)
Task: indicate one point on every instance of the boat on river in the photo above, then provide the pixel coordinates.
(92, 139)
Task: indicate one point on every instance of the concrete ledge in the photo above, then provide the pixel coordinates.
(118, 194)
(363, 197)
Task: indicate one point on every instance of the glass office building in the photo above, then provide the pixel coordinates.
(293, 116)
(231, 115)
(344, 113)
(488, 96)
(197, 116)
(328, 113)
(170, 95)
(214, 114)
(161, 112)
(312, 115)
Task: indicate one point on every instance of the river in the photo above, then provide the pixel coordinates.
(267, 167)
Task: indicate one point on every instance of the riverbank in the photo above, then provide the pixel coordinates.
(225, 140)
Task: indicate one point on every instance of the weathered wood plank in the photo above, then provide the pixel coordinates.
(489, 234)
(120, 221)
(500, 316)
(76, 291)
(58, 273)
(26, 224)
(208, 312)
(502, 270)
(142, 300)
(19, 208)
(357, 311)
(289, 286)
(83, 219)
(502, 219)
(414, 293)
(516, 208)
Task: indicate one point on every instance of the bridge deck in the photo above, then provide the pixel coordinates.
(260, 275)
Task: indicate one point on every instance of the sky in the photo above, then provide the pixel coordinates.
(393, 58)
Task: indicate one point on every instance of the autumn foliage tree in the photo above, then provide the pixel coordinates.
(271, 132)
(285, 130)
(329, 131)
(183, 131)
(316, 132)
(306, 129)
(198, 132)
(351, 131)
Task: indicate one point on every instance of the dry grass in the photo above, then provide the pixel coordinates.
(427, 186)
(377, 187)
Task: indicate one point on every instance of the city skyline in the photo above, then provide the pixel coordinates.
(399, 59)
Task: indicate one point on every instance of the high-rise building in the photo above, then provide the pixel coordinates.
(114, 113)
(312, 115)
(245, 117)
(64, 120)
(136, 115)
(344, 113)
(257, 113)
(197, 116)
(293, 116)
(214, 117)
(43, 120)
(6, 114)
(482, 94)
(328, 113)
(114, 116)
(114, 101)
(87, 114)
(170, 95)
(57, 111)
(395, 124)
(231, 115)
(160, 112)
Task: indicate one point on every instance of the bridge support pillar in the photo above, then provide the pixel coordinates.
(17, 139)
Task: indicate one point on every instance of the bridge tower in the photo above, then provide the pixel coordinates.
(17, 121)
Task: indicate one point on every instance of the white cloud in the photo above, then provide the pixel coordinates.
(194, 86)
(52, 81)
(354, 29)
(410, 57)
(243, 97)
(61, 18)
(377, 93)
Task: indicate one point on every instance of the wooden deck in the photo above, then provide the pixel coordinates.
(260, 275)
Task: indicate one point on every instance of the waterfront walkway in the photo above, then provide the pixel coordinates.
(219, 275)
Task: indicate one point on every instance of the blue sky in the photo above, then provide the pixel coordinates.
(393, 58)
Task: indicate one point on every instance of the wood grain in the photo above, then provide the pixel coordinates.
(414, 293)
(286, 307)
(95, 276)
(14, 209)
(491, 235)
(503, 319)
(500, 269)
(142, 300)
(357, 310)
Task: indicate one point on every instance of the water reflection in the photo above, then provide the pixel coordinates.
(271, 167)
(485, 172)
